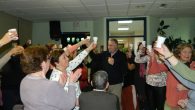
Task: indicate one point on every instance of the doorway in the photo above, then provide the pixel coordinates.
(128, 31)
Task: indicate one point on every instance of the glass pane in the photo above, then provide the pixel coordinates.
(136, 28)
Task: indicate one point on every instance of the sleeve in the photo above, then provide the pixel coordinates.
(184, 71)
(4, 59)
(57, 97)
(139, 59)
(55, 75)
(77, 60)
(184, 81)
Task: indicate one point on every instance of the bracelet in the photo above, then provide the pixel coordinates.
(169, 56)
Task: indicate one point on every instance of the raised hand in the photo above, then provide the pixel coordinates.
(75, 76)
(8, 37)
(63, 79)
(111, 60)
(17, 50)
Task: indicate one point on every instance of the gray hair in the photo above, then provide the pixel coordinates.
(100, 79)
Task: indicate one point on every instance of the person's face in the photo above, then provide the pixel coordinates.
(46, 65)
(112, 46)
(128, 54)
(185, 54)
(140, 47)
(63, 61)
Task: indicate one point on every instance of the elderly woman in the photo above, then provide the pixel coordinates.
(38, 93)
(175, 90)
(183, 73)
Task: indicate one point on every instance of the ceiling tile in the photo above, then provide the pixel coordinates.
(142, 1)
(123, 7)
(92, 9)
(111, 2)
(93, 2)
(96, 8)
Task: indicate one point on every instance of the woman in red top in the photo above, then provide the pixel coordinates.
(175, 90)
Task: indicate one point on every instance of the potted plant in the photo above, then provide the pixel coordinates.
(170, 41)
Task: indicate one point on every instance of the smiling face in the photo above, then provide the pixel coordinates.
(185, 54)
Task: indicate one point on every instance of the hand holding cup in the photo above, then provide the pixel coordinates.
(13, 34)
(111, 60)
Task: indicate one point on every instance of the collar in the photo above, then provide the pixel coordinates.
(112, 54)
(99, 90)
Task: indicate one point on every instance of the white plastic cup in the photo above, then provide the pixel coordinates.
(131, 46)
(144, 43)
(12, 31)
(95, 39)
(149, 47)
(60, 46)
(73, 39)
(160, 41)
(68, 39)
(88, 37)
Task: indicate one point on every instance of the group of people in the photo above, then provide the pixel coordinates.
(158, 78)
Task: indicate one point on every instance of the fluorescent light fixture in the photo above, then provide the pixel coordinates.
(120, 40)
(123, 29)
(127, 21)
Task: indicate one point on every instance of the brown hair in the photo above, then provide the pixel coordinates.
(50, 46)
(180, 47)
(114, 40)
(32, 57)
(55, 54)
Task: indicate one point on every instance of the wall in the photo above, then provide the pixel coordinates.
(41, 30)
(100, 31)
(152, 26)
(24, 28)
(183, 27)
(180, 27)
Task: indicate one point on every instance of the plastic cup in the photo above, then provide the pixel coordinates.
(131, 46)
(144, 43)
(149, 47)
(160, 41)
(14, 30)
(89, 37)
(95, 39)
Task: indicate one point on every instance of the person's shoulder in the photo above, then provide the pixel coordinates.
(120, 52)
(111, 96)
(85, 94)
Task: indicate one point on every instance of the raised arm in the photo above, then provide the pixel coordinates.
(80, 57)
(7, 56)
(179, 67)
(8, 37)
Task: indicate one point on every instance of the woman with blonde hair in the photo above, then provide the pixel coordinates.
(177, 92)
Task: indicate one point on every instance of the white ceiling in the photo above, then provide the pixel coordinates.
(69, 10)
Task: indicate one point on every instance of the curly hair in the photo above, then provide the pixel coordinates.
(32, 57)
(180, 47)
